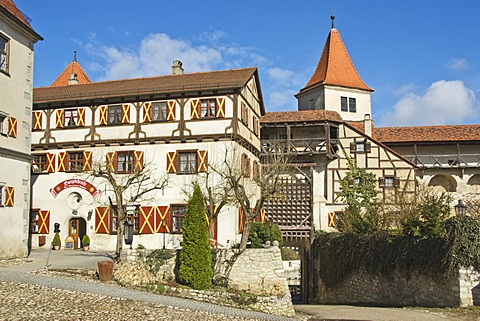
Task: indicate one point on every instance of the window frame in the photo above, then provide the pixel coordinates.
(162, 107)
(5, 52)
(178, 213)
(352, 104)
(208, 108)
(115, 111)
(344, 103)
(389, 182)
(78, 160)
(41, 166)
(3, 127)
(192, 160)
(2, 194)
(72, 115)
(127, 163)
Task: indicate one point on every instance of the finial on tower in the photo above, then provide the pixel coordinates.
(333, 18)
(75, 56)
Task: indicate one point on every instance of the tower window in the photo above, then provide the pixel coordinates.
(348, 104)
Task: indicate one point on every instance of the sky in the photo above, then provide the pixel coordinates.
(422, 58)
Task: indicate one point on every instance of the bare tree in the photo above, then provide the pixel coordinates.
(135, 186)
(246, 188)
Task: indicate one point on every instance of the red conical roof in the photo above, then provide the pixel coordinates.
(72, 68)
(335, 67)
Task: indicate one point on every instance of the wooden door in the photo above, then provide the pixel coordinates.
(73, 231)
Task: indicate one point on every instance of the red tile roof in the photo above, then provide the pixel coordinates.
(213, 80)
(11, 8)
(335, 67)
(300, 116)
(444, 133)
(72, 68)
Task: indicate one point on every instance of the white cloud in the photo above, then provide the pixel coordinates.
(278, 100)
(458, 64)
(444, 102)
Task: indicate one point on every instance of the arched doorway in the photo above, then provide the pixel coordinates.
(77, 228)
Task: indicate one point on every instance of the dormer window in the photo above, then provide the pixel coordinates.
(348, 104)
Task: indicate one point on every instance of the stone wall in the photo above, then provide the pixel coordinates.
(254, 279)
(401, 290)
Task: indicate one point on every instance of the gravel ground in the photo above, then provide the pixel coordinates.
(21, 300)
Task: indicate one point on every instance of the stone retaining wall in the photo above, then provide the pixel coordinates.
(401, 290)
(255, 280)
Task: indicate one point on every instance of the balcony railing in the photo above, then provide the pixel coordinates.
(301, 146)
(445, 161)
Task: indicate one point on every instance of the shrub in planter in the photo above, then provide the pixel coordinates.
(86, 242)
(56, 242)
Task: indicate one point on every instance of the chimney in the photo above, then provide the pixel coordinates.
(73, 79)
(177, 68)
(367, 125)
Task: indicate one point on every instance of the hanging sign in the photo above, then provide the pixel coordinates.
(75, 182)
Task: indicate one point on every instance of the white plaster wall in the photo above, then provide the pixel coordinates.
(333, 102)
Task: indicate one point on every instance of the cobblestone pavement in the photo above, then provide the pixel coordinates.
(49, 295)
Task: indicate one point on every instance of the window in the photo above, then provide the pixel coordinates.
(1, 195)
(208, 108)
(352, 105)
(159, 111)
(75, 162)
(360, 147)
(4, 61)
(70, 118)
(125, 162)
(39, 164)
(178, 216)
(132, 216)
(187, 162)
(244, 114)
(35, 214)
(3, 128)
(344, 104)
(348, 104)
(114, 114)
(389, 182)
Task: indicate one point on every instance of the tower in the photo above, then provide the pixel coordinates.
(336, 85)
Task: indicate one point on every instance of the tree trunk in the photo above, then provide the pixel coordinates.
(118, 250)
(246, 233)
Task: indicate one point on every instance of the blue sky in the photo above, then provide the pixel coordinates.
(421, 57)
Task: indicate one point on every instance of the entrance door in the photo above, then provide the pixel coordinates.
(76, 229)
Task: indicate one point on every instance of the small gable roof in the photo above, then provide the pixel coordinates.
(300, 116)
(335, 67)
(73, 68)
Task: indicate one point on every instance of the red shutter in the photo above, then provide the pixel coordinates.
(221, 107)
(87, 160)
(171, 162)
(162, 219)
(110, 162)
(59, 118)
(171, 110)
(381, 182)
(396, 182)
(50, 163)
(260, 218)
(9, 196)
(146, 220)
(137, 160)
(202, 161)
(194, 109)
(332, 222)
(81, 117)
(353, 147)
(43, 222)
(147, 112)
(125, 113)
(62, 162)
(103, 115)
(241, 220)
(102, 220)
(12, 127)
(368, 147)
(37, 120)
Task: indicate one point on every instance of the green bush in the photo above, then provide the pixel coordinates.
(195, 268)
(85, 240)
(427, 216)
(289, 254)
(262, 232)
(56, 240)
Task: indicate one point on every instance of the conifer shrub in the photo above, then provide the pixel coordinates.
(263, 232)
(195, 268)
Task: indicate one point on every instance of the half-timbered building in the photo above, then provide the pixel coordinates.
(180, 125)
(17, 39)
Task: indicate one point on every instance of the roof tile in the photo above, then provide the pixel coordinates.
(300, 116)
(443, 133)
